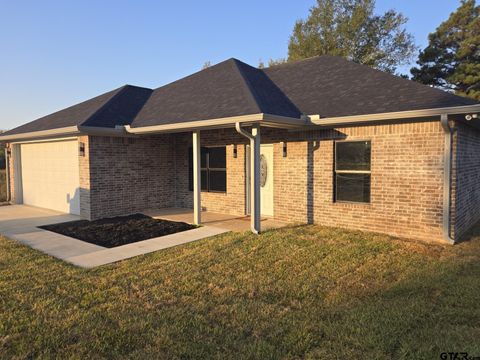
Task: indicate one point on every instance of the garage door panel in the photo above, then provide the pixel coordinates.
(50, 175)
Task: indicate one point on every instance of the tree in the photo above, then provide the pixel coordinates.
(206, 65)
(349, 28)
(271, 62)
(451, 61)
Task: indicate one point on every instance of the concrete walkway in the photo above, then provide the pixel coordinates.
(118, 253)
(20, 222)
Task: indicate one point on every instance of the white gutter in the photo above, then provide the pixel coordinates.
(241, 131)
(260, 118)
(65, 131)
(70, 130)
(354, 119)
(447, 178)
(120, 130)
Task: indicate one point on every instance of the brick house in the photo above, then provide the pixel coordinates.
(322, 140)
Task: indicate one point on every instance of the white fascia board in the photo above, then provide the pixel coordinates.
(261, 118)
(64, 132)
(42, 140)
(194, 125)
(345, 120)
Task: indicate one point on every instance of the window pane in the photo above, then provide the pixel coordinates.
(204, 180)
(218, 180)
(190, 169)
(217, 157)
(353, 187)
(211, 180)
(203, 157)
(353, 155)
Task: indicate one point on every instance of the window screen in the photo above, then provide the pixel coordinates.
(352, 171)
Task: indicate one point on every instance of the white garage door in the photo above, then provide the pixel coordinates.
(50, 175)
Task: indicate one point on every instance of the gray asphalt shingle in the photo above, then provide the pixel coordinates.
(327, 85)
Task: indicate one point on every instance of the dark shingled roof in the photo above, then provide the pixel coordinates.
(327, 85)
(116, 107)
(332, 86)
(230, 88)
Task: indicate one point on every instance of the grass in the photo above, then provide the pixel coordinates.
(301, 292)
(3, 185)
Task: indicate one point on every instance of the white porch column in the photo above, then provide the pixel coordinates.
(197, 204)
(255, 206)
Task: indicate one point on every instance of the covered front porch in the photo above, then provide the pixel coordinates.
(228, 222)
(223, 174)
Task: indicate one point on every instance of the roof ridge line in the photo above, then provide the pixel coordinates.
(248, 88)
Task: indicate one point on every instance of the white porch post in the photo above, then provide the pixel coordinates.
(255, 208)
(197, 204)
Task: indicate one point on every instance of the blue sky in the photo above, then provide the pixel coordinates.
(54, 54)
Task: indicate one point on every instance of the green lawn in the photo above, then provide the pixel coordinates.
(304, 292)
(3, 186)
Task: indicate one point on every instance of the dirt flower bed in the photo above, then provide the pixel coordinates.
(117, 231)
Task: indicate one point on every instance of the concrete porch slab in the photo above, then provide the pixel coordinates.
(230, 222)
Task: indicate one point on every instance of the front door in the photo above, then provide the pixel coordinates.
(266, 179)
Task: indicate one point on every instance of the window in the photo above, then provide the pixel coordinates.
(352, 171)
(213, 164)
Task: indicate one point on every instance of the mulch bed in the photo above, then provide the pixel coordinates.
(117, 231)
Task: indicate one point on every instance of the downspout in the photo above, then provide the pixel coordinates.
(7, 172)
(255, 224)
(447, 177)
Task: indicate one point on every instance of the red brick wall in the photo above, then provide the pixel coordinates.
(233, 201)
(406, 180)
(129, 175)
(465, 179)
(133, 174)
(12, 163)
(407, 177)
(11, 175)
(84, 172)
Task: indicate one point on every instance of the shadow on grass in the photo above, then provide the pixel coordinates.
(305, 291)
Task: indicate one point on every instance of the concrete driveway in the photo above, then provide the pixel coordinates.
(20, 222)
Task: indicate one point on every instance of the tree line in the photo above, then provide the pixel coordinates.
(351, 29)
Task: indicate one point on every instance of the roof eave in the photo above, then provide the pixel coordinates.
(366, 118)
(267, 120)
(41, 134)
(76, 130)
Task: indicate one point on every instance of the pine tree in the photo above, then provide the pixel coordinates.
(451, 61)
